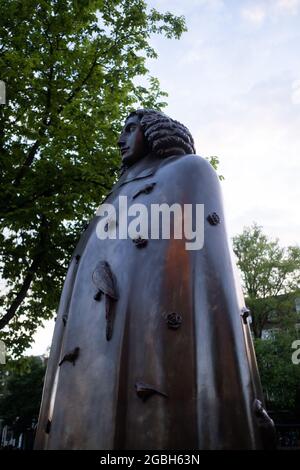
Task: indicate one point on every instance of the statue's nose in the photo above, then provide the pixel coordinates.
(121, 141)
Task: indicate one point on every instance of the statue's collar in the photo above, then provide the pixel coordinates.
(142, 169)
(146, 165)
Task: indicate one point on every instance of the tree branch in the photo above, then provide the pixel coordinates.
(93, 65)
(29, 275)
(79, 87)
(29, 159)
(22, 292)
(45, 123)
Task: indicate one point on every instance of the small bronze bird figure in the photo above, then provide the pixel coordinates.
(266, 425)
(105, 282)
(71, 356)
(144, 391)
(146, 190)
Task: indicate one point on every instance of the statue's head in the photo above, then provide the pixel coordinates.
(150, 131)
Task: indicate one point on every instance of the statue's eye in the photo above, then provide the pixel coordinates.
(131, 127)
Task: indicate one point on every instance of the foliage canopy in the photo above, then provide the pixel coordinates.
(70, 69)
(271, 276)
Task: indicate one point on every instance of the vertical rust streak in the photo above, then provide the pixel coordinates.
(180, 380)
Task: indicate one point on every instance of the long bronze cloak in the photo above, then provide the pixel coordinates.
(151, 348)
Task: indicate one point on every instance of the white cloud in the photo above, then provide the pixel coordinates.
(214, 4)
(192, 57)
(256, 138)
(258, 13)
(295, 97)
(254, 14)
(288, 6)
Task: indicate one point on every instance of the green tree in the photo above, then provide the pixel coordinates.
(270, 276)
(280, 377)
(22, 392)
(214, 161)
(70, 68)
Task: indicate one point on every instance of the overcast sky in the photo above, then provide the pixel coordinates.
(234, 80)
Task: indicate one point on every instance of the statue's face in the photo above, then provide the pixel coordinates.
(132, 141)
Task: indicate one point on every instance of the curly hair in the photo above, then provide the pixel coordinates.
(164, 136)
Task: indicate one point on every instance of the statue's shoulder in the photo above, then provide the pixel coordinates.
(189, 166)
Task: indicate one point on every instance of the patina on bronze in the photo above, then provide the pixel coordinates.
(166, 358)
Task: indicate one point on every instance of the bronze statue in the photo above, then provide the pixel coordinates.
(152, 348)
